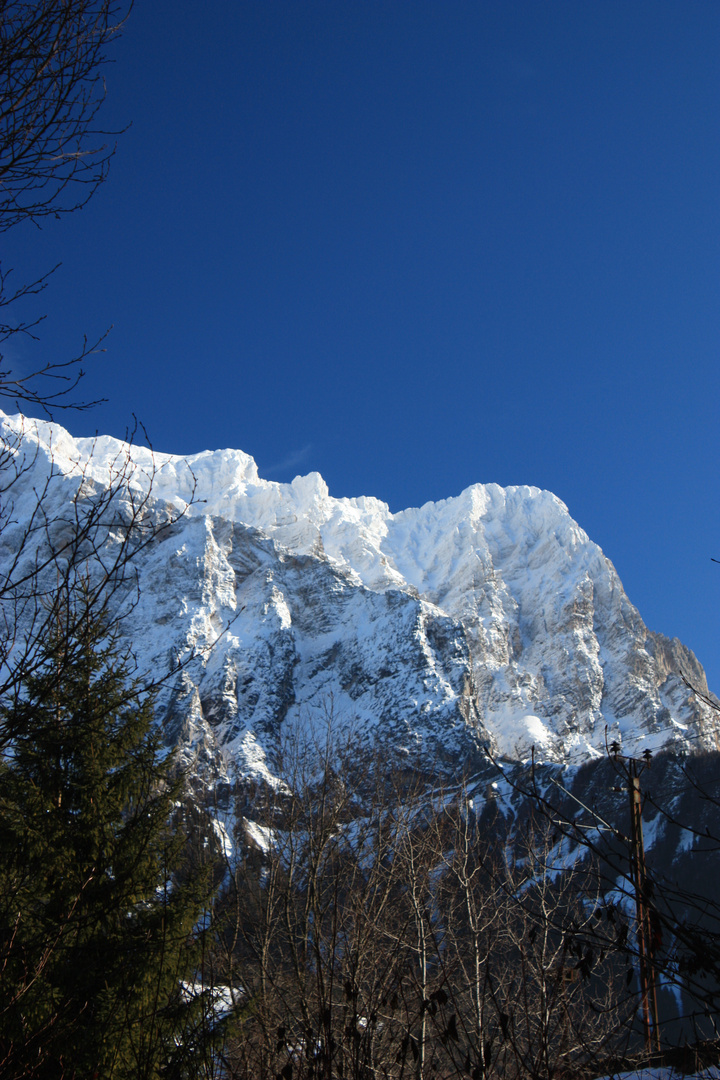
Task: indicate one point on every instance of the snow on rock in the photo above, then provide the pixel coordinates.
(485, 620)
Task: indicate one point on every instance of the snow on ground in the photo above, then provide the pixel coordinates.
(666, 1073)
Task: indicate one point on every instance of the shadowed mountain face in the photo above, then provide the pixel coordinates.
(489, 620)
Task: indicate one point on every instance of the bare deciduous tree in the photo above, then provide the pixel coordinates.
(54, 154)
(369, 929)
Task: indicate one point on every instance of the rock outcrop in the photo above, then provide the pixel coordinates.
(485, 620)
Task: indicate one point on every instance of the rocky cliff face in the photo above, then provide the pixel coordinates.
(490, 619)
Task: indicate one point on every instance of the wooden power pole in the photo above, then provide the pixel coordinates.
(631, 769)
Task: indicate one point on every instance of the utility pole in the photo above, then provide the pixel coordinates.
(631, 769)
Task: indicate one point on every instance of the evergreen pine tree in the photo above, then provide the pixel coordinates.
(98, 909)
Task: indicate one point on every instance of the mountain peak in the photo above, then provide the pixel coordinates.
(485, 619)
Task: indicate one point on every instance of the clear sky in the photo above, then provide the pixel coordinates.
(414, 245)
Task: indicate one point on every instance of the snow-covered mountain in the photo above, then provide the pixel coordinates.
(489, 619)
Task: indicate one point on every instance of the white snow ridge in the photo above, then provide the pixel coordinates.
(489, 619)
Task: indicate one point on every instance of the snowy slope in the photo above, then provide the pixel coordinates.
(489, 618)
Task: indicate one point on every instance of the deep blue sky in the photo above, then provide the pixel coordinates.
(414, 245)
